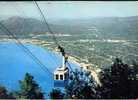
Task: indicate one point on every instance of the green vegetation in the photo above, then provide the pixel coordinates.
(119, 81)
(85, 39)
(29, 89)
(80, 82)
(115, 81)
(56, 94)
(98, 53)
(4, 94)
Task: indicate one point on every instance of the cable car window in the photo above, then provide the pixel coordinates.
(56, 77)
(61, 77)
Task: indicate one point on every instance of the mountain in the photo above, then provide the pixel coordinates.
(20, 25)
(107, 26)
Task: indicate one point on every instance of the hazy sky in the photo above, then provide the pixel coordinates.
(70, 9)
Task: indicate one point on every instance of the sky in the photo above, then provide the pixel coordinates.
(70, 9)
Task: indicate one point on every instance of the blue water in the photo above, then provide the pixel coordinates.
(14, 63)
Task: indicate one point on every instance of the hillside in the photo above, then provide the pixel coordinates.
(97, 41)
(107, 27)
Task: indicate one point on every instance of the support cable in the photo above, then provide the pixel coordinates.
(54, 38)
(51, 56)
(26, 50)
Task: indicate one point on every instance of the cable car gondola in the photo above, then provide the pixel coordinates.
(61, 74)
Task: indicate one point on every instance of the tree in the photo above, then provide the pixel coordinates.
(105, 78)
(4, 93)
(81, 86)
(29, 89)
(119, 79)
(115, 82)
(56, 94)
(133, 78)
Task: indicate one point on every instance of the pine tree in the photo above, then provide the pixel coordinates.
(105, 78)
(119, 79)
(115, 82)
(4, 93)
(29, 89)
(133, 77)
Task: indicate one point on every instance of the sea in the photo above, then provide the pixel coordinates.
(15, 63)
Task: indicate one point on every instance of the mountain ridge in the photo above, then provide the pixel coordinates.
(107, 26)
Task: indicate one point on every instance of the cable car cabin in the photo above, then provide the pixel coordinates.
(61, 75)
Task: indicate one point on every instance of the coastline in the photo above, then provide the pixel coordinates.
(85, 66)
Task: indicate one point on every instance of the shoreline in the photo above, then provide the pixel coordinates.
(85, 66)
